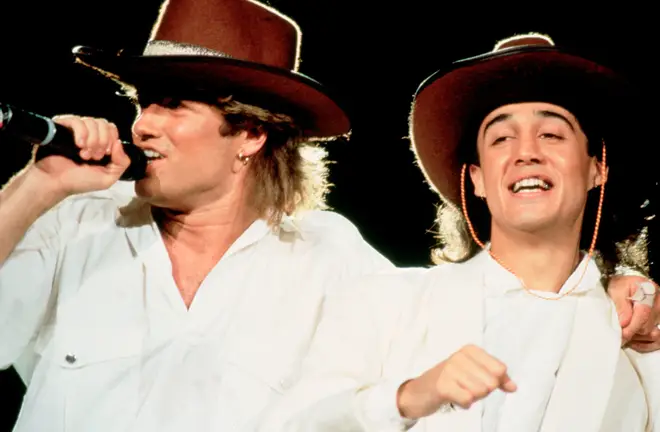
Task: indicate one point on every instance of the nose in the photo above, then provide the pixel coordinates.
(528, 151)
(147, 124)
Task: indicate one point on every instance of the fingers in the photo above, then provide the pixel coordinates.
(95, 137)
(117, 155)
(475, 375)
(652, 336)
(492, 366)
(646, 342)
(460, 395)
(469, 375)
(645, 347)
(654, 320)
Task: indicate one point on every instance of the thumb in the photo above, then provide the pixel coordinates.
(641, 315)
(624, 306)
(508, 385)
(118, 156)
(624, 310)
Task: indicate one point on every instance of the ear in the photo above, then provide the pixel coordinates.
(478, 181)
(252, 142)
(597, 173)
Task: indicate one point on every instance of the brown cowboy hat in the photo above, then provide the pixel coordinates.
(450, 105)
(236, 47)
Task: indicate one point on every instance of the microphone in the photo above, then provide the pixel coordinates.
(55, 139)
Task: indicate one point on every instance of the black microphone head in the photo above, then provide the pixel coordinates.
(137, 169)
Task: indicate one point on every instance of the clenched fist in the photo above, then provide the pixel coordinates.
(96, 139)
(467, 376)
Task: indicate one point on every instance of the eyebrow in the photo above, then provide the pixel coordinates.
(497, 119)
(541, 113)
(553, 114)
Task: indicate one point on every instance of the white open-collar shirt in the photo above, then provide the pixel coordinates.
(92, 320)
(565, 355)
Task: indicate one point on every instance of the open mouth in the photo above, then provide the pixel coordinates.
(152, 155)
(530, 185)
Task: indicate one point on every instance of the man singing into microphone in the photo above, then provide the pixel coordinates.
(191, 307)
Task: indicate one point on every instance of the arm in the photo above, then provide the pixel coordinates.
(349, 381)
(342, 387)
(22, 201)
(26, 262)
(30, 232)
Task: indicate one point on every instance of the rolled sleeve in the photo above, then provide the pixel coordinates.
(379, 408)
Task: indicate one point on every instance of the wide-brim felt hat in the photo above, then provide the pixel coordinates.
(228, 47)
(450, 105)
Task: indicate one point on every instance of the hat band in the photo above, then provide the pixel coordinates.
(170, 48)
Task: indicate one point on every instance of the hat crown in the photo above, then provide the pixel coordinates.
(240, 29)
(528, 39)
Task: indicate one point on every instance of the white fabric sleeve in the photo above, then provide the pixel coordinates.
(26, 285)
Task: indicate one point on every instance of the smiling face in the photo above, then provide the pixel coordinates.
(534, 170)
(191, 163)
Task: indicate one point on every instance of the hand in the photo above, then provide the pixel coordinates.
(467, 376)
(646, 343)
(96, 139)
(638, 321)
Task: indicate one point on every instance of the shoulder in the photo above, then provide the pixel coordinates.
(407, 290)
(87, 210)
(331, 234)
(323, 224)
(400, 281)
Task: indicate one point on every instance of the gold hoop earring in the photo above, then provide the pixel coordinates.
(244, 159)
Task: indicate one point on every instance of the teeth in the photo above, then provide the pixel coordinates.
(152, 154)
(530, 184)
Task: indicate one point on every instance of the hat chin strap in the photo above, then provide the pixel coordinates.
(592, 247)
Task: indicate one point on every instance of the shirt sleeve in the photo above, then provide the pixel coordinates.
(379, 408)
(341, 386)
(26, 285)
(357, 255)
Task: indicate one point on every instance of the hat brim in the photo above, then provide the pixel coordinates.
(319, 114)
(449, 105)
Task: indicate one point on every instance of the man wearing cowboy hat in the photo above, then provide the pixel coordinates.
(520, 336)
(190, 306)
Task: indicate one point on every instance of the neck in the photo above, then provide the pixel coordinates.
(544, 263)
(208, 229)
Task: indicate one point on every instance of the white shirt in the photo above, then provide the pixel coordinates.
(92, 320)
(386, 328)
(530, 335)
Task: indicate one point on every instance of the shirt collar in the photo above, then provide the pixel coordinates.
(291, 225)
(500, 281)
(136, 215)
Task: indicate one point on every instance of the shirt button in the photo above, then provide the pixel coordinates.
(285, 383)
(70, 358)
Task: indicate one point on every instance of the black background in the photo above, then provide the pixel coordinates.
(374, 53)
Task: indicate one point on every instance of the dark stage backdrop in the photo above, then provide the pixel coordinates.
(374, 53)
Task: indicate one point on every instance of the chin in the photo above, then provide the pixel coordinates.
(148, 188)
(531, 227)
(524, 220)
